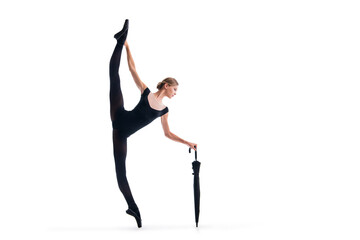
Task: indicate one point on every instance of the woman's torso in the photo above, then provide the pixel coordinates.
(128, 122)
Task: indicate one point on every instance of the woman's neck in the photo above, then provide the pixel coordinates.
(159, 95)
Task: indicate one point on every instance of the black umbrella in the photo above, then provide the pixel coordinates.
(196, 169)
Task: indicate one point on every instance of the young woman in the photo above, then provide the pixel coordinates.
(125, 123)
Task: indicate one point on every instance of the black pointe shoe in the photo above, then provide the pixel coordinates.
(124, 30)
(136, 216)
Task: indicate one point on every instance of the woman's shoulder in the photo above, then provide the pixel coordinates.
(145, 90)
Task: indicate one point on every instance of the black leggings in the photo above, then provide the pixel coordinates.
(116, 104)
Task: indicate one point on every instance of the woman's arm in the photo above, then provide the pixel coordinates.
(171, 135)
(130, 60)
(132, 69)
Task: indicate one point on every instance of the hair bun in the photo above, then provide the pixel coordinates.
(160, 85)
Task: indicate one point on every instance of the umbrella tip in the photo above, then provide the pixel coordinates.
(196, 224)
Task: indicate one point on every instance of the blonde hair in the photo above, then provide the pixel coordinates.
(169, 80)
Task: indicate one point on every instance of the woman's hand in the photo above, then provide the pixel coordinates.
(192, 145)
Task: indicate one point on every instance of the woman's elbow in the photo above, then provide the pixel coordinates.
(168, 134)
(132, 69)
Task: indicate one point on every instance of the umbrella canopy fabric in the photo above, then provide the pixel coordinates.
(196, 169)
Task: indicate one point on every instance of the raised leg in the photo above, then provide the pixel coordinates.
(116, 97)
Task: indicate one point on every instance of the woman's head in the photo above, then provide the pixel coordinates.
(169, 85)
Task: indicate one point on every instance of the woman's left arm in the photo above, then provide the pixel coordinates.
(132, 69)
(172, 136)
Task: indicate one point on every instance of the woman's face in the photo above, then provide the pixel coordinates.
(170, 91)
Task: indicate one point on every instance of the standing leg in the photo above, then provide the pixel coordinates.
(120, 150)
(116, 97)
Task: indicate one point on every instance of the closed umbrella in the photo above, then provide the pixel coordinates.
(196, 169)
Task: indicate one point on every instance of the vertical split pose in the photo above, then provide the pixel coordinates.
(125, 123)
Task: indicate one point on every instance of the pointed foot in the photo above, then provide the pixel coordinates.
(118, 35)
(136, 216)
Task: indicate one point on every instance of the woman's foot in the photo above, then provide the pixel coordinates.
(124, 30)
(136, 215)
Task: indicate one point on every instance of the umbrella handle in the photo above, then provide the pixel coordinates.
(195, 153)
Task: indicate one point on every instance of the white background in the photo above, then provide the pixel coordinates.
(268, 89)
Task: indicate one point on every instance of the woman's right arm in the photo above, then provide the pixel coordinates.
(172, 136)
(132, 69)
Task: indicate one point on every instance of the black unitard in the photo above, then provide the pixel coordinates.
(124, 122)
(128, 122)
